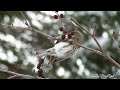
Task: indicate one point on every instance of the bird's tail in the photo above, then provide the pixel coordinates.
(41, 52)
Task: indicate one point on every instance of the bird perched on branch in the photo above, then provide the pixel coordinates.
(63, 49)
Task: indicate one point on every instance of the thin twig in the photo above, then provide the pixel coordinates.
(22, 76)
(113, 40)
(80, 26)
(12, 77)
(10, 27)
(94, 29)
(24, 18)
(9, 72)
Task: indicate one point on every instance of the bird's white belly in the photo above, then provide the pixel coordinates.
(62, 48)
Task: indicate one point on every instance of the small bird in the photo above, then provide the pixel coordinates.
(63, 49)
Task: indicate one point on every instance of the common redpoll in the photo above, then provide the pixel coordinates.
(63, 49)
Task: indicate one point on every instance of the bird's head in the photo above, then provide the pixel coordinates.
(75, 36)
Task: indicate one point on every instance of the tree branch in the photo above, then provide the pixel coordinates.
(100, 53)
(10, 27)
(12, 77)
(16, 75)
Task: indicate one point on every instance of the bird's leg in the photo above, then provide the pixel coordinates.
(54, 60)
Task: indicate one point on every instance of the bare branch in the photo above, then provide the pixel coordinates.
(100, 53)
(94, 29)
(16, 75)
(12, 77)
(9, 72)
(10, 27)
(24, 18)
(80, 26)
